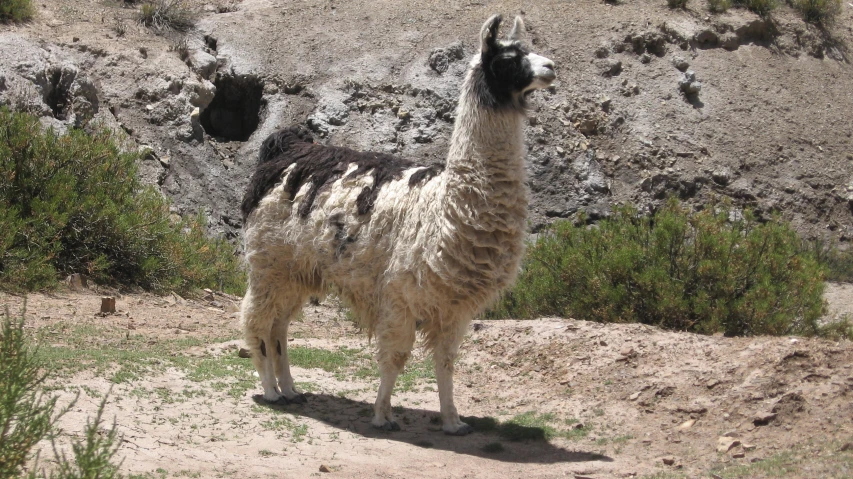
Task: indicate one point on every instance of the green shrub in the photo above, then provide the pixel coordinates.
(839, 264)
(695, 272)
(761, 7)
(821, 12)
(27, 417)
(16, 10)
(73, 204)
(719, 6)
(165, 15)
(677, 3)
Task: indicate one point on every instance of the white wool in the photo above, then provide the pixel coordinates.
(435, 254)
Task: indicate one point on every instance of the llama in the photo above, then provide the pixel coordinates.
(408, 248)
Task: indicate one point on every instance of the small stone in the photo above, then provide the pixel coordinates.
(324, 468)
(748, 447)
(710, 384)
(75, 39)
(848, 446)
(602, 343)
(645, 58)
(725, 444)
(687, 424)
(244, 353)
(647, 442)
(634, 396)
(560, 151)
(611, 67)
(404, 115)
(738, 455)
(668, 460)
(680, 63)
(763, 418)
(627, 351)
(729, 41)
(722, 176)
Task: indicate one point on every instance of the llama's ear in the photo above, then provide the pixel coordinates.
(517, 32)
(489, 32)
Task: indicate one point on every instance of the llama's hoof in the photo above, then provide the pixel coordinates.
(389, 426)
(462, 430)
(282, 401)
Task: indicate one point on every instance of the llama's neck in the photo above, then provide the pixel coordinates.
(486, 155)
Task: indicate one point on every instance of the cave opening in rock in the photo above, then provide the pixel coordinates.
(235, 112)
(58, 93)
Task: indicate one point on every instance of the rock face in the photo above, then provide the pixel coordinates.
(627, 121)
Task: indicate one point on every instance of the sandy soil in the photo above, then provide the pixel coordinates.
(639, 396)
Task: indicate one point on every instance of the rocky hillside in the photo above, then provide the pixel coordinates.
(649, 101)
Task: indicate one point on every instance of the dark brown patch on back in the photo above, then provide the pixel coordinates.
(425, 174)
(321, 165)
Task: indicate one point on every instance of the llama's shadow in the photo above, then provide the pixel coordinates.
(420, 429)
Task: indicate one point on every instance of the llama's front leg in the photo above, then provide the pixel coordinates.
(282, 363)
(444, 357)
(390, 366)
(395, 347)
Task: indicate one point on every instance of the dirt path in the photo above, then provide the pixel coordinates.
(548, 398)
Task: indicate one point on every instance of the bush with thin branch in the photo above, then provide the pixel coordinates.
(169, 15)
(761, 7)
(702, 272)
(74, 204)
(821, 12)
(16, 10)
(719, 6)
(27, 416)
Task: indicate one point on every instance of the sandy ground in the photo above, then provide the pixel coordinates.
(619, 400)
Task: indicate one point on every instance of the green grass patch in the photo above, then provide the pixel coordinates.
(719, 269)
(824, 460)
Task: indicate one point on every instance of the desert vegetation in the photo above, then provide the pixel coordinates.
(73, 204)
(16, 10)
(29, 415)
(169, 15)
(719, 269)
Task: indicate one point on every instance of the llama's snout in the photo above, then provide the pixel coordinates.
(543, 69)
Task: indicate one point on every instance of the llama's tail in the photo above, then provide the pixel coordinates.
(282, 140)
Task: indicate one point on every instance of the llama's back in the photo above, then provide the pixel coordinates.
(329, 210)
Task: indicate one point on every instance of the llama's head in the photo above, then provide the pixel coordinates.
(509, 70)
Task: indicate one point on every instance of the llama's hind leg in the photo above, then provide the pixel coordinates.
(395, 347)
(259, 313)
(446, 347)
(282, 361)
